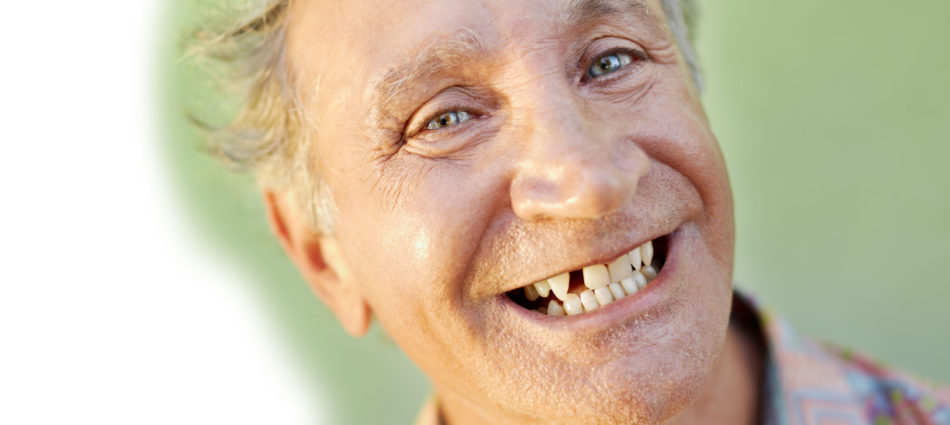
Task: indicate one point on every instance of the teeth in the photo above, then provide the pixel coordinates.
(616, 290)
(630, 284)
(619, 269)
(647, 251)
(603, 296)
(635, 258)
(605, 284)
(559, 285)
(572, 305)
(596, 276)
(543, 288)
(649, 272)
(589, 300)
(531, 293)
(640, 279)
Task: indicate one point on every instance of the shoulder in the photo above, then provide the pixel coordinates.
(809, 382)
(891, 396)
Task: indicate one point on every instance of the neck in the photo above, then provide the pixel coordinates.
(732, 397)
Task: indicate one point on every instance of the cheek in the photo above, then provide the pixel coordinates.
(673, 129)
(413, 233)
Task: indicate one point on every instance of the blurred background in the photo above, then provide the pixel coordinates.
(142, 286)
(835, 122)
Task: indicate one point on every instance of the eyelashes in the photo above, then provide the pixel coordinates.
(448, 119)
(602, 68)
(613, 61)
(608, 63)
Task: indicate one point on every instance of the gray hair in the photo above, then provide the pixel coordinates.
(269, 135)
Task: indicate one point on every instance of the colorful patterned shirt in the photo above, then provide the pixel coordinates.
(812, 383)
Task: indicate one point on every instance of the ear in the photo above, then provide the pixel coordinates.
(320, 262)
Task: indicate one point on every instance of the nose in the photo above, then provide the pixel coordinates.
(573, 163)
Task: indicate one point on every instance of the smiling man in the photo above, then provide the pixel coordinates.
(528, 197)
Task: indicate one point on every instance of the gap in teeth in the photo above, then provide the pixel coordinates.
(595, 286)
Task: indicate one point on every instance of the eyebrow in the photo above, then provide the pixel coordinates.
(430, 61)
(453, 52)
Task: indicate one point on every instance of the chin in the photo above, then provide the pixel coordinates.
(644, 371)
(646, 384)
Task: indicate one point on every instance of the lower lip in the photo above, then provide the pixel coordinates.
(628, 308)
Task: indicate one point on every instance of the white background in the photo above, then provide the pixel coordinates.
(94, 324)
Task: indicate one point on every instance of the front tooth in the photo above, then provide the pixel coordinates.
(589, 300)
(619, 269)
(640, 279)
(630, 285)
(555, 309)
(543, 288)
(596, 276)
(572, 305)
(647, 251)
(635, 258)
(559, 285)
(542, 310)
(603, 296)
(617, 290)
(649, 272)
(530, 293)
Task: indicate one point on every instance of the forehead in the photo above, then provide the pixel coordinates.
(372, 23)
(335, 44)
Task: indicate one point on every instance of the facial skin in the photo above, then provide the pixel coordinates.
(554, 170)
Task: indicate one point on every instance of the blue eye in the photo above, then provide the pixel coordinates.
(607, 64)
(448, 119)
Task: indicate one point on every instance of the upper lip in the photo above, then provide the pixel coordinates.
(602, 259)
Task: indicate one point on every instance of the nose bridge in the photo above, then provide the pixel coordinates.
(558, 123)
(568, 167)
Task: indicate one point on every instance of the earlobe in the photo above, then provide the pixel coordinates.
(354, 315)
(350, 308)
(321, 263)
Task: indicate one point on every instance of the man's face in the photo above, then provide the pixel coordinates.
(473, 148)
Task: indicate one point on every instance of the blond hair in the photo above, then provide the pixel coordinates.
(269, 135)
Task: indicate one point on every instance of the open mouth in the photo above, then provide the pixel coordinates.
(595, 286)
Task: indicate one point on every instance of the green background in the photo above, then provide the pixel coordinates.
(835, 122)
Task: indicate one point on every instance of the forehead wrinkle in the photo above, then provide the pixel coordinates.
(435, 58)
(582, 10)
